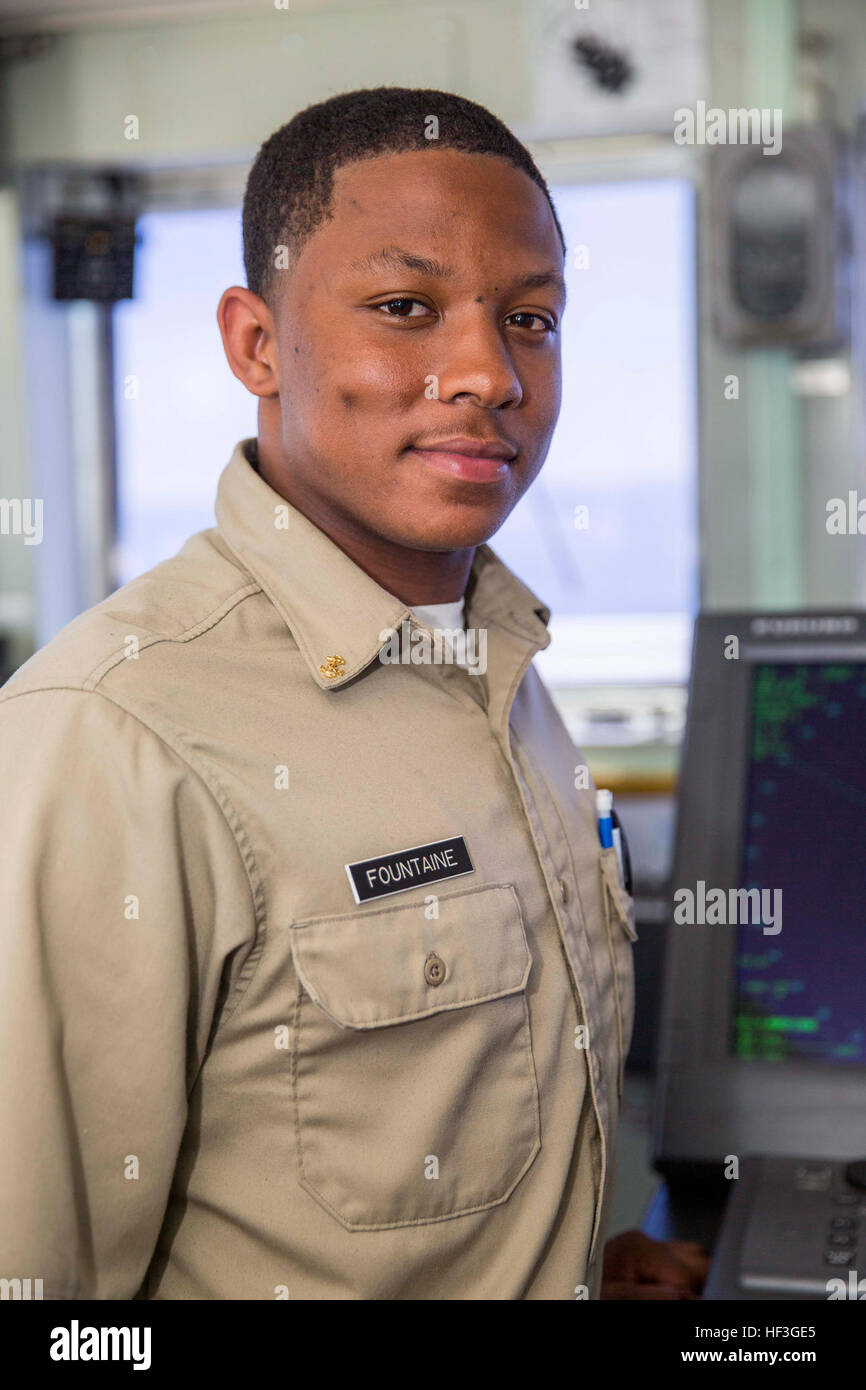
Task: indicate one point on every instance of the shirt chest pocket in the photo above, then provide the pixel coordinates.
(413, 1077)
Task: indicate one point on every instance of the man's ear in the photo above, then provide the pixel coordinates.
(249, 340)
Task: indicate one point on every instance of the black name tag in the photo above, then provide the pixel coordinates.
(409, 868)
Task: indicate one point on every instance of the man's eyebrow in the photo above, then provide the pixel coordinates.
(541, 279)
(397, 258)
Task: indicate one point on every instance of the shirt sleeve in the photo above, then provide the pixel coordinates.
(127, 914)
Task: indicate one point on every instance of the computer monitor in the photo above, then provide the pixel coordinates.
(762, 1040)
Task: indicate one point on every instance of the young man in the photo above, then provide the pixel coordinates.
(317, 983)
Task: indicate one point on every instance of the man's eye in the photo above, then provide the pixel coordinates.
(525, 314)
(403, 304)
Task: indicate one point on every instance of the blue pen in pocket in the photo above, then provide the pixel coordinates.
(609, 833)
(604, 806)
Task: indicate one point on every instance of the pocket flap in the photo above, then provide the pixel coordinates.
(622, 901)
(368, 969)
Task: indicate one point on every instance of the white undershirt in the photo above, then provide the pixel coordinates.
(441, 614)
(447, 616)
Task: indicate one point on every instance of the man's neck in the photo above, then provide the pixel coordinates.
(417, 577)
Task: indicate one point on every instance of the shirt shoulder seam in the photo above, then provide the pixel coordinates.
(210, 620)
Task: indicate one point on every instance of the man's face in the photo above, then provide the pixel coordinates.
(382, 358)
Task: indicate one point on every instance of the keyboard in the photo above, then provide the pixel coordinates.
(794, 1228)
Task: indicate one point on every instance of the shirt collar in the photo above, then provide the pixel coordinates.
(335, 611)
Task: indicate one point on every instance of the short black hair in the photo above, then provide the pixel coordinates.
(290, 185)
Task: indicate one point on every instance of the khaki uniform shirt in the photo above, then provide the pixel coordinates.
(226, 1073)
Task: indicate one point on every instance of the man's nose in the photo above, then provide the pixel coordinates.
(478, 365)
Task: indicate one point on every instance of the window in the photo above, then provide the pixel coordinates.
(180, 410)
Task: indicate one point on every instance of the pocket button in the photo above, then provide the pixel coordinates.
(434, 969)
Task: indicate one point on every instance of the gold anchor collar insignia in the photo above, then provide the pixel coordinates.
(333, 667)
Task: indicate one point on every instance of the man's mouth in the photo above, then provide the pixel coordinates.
(472, 460)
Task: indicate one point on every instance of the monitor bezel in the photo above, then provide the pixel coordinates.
(710, 1103)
